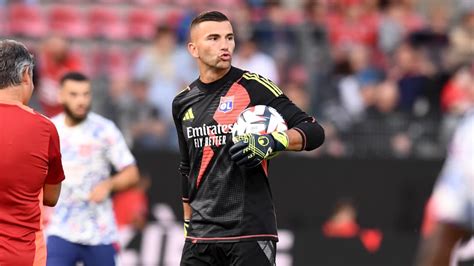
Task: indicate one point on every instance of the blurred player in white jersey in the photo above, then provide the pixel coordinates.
(453, 200)
(82, 227)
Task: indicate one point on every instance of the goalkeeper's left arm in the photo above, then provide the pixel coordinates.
(251, 149)
(305, 133)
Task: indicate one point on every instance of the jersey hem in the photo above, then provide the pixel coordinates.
(232, 238)
(82, 242)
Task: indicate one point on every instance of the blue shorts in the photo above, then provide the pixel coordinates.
(64, 253)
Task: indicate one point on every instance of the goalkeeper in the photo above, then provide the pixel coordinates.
(228, 208)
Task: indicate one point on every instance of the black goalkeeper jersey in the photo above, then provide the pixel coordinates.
(229, 203)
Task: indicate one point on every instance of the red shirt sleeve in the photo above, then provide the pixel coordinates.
(55, 167)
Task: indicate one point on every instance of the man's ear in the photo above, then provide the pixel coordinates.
(192, 49)
(27, 85)
(27, 77)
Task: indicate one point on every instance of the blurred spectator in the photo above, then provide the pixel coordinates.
(343, 221)
(140, 121)
(333, 144)
(356, 89)
(345, 28)
(399, 19)
(432, 43)
(316, 58)
(412, 18)
(297, 94)
(454, 98)
(386, 97)
(167, 68)
(385, 131)
(275, 37)
(355, 81)
(242, 21)
(402, 133)
(343, 224)
(295, 88)
(462, 39)
(191, 9)
(433, 37)
(249, 57)
(55, 59)
(455, 101)
(372, 9)
(411, 70)
(257, 3)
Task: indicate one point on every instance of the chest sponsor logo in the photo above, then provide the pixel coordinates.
(226, 104)
(209, 135)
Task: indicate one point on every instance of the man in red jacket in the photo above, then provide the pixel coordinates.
(30, 165)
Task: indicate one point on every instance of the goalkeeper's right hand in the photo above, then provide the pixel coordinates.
(251, 149)
(186, 226)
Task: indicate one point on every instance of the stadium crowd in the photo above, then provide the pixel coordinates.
(385, 77)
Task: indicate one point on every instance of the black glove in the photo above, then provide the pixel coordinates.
(251, 149)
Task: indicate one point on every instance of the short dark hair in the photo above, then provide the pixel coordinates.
(163, 30)
(209, 16)
(14, 60)
(76, 76)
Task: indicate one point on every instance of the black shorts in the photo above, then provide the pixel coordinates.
(245, 253)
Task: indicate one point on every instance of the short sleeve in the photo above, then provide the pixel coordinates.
(55, 168)
(117, 151)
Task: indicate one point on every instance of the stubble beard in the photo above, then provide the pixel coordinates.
(75, 118)
(220, 65)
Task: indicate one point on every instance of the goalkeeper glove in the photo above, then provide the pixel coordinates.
(251, 149)
(186, 226)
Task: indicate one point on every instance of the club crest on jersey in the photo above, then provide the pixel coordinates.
(226, 104)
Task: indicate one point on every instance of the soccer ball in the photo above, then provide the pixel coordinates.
(259, 119)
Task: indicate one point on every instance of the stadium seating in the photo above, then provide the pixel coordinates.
(150, 2)
(173, 17)
(118, 61)
(4, 25)
(142, 23)
(26, 21)
(67, 21)
(112, 60)
(106, 23)
(67, 2)
(113, 2)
